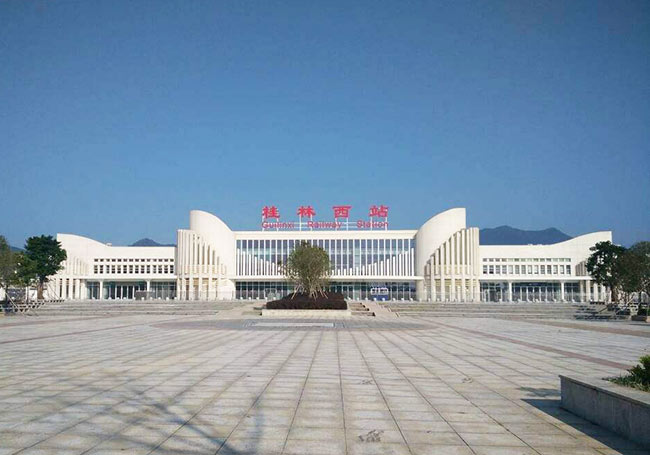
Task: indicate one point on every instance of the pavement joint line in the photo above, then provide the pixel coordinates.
(262, 342)
(117, 356)
(563, 352)
(80, 332)
(383, 397)
(279, 369)
(415, 387)
(302, 390)
(338, 358)
(570, 325)
(148, 390)
(457, 391)
(52, 321)
(128, 423)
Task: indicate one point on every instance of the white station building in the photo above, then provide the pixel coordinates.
(442, 261)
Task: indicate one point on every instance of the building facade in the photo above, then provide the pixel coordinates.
(439, 262)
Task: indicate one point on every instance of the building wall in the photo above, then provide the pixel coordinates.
(559, 264)
(442, 261)
(90, 261)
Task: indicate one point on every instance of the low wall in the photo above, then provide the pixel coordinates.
(623, 410)
(306, 313)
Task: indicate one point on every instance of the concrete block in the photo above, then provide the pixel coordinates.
(622, 410)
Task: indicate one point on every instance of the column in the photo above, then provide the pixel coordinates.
(100, 295)
(433, 278)
(439, 271)
(443, 274)
(463, 265)
(510, 291)
(587, 291)
(452, 289)
(148, 288)
(603, 293)
(561, 291)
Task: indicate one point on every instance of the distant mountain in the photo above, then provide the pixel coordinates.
(507, 235)
(16, 249)
(149, 242)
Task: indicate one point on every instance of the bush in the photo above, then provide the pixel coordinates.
(639, 376)
(302, 301)
(641, 372)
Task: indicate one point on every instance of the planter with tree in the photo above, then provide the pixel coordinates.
(308, 268)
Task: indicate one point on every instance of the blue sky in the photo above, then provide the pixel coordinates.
(117, 118)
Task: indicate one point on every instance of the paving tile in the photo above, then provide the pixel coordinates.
(427, 449)
(440, 389)
(377, 448)
(307, 447)
(253, 446)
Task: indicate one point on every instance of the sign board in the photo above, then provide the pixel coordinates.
(377, 219)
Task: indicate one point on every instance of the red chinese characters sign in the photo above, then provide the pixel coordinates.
(271, 218)
(342, 211)
(307, 211)
(270, 212)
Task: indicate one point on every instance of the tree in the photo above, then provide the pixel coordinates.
(8, 266)
(308, 268)
(635, 270)
(42, 258)
(604, 265)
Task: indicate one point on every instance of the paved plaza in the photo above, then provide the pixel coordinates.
(237, 384)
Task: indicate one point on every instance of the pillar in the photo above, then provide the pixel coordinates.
(561, 291)
(510, 291)
(452, 263)
(148, 289)
(587, 291)
(433, 278)
(100, 295)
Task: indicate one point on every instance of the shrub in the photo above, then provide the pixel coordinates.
(639, 376)
(301, 301)
(641, 372)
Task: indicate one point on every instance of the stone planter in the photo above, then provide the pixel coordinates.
(306, 313)
(623, 410)
(639, 318)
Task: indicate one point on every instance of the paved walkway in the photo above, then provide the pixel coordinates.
(207, 385)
